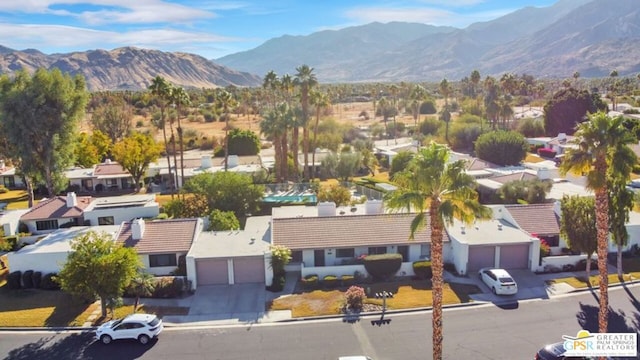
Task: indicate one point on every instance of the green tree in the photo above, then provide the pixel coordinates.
(400, 162)
(223, 220)
(348, 164)
(280, 257)
(113, 117)
(578, 225)
(320, 101)
(227, 103)
(600, 140)
(98, 267)
(621, 202)
(187, 207)
(161, 90)
(135, 152)
(502, 147)
(337, 194)
(305, 79)
(569, 107)
(227, 191)
(417, 96)
(141, 285)
(274, 127)
(531, 127)
(438, 191)
(243, 142)
(525, 191)
(102, 143)
(40, 114)
(86, 153)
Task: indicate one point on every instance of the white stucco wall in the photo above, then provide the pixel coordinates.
(191, 271)
(123, 214)
(45, 263)
(462, 255)
(31, 224)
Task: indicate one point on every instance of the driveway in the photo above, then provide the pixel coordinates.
(530, 286)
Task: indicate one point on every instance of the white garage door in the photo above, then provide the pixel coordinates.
(514, 256)
(212, 271)
(480, 256)
(248, 270)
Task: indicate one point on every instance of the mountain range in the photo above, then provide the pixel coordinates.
(592, 37)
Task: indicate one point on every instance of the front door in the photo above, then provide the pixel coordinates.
(318, 258)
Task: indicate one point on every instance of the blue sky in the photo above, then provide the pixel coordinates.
(214, 28)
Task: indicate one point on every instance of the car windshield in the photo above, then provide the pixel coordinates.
(506, 280)
(116, 323)
(154, 322)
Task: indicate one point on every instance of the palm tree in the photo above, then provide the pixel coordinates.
(320, 100)
(305, 79)
(475, 80)
(141, 285)
(602, 142)
(274, 125)
(180, 97)
(417, 96)
(161, 89)
(226, 102)
(438, 191)
(271, 83)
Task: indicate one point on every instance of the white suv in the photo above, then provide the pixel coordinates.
(499, 281)
(141, 327)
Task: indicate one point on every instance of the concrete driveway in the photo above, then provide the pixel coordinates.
(530, 286)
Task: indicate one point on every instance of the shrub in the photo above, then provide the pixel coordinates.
(3, 189)
(582, 265)
(27, 281)
(546, 153)
(347, 280)
(13, 280)
(168, 287)
(545, 249)
(162, 216)
(383, 266)
(309, 281)
(9, 243)
(36, 278)
(330, 281)
(354, 297)
(139, 123)
(502, 147)
(49, 282)
(422, 269)
(278, 283)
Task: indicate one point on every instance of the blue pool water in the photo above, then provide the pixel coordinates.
(310, 198)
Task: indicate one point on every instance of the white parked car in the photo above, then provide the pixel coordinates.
(141, 327)
(499, 281)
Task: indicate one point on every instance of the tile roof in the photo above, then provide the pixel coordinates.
(520, 175)
(56, 208)
(346, 231)
(161, 236)
(109, 169)
(538, 219)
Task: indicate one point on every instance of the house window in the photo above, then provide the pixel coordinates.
(106, 220)
(296, 256)
(345, 253)
(425, 251)
(162, 260)
(9, 182)
(377, 250)
(46, 225)
(551, 240)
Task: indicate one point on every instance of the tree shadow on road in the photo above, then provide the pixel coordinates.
(77, 346)
(619, 321)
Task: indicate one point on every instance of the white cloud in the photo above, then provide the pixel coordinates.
(452, 3)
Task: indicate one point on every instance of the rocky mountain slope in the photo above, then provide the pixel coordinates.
(129, 68)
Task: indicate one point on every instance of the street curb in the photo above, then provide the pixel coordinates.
(58, 329)
(597, 288)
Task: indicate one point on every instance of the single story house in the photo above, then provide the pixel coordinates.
(104, 177)
(161, 244)
(232, 257)
(9, 178)
(114, 210)
(50, 253)
(60, 211)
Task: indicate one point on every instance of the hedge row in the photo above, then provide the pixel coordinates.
(329, 281)
(165, 287)
(31, 280)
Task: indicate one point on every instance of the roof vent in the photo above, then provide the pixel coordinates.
(462, 229)
(499, 226)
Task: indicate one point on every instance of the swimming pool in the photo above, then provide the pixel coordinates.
(306, 198)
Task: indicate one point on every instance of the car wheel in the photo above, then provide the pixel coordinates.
(144, 339)
(493, 289)
(106, 339)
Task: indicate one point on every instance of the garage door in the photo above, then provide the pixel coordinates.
(514, 256)
(479, 257)
(212, 271)
(248, 270)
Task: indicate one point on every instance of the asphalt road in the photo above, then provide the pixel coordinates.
(507, 331)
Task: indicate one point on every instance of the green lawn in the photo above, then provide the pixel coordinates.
(15, 199)
(630, 268)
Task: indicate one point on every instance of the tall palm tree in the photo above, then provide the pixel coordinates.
(226, 102)
(271, 84)
(180, 98)
(161, 89)
(438, 191)
(274, 126)
(321, 101)
(602, 142)
(417, 96)
(475, 80)
(305, 79)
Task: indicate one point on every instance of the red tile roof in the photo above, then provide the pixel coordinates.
(56, 208)
(346, 231)
(161, 236)
(522, 175)
(535, 218)
(109, 169)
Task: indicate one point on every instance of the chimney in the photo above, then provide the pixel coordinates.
(137, 229)
(71, 199)
(107, 161)
(205, 161)
(326, 208)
